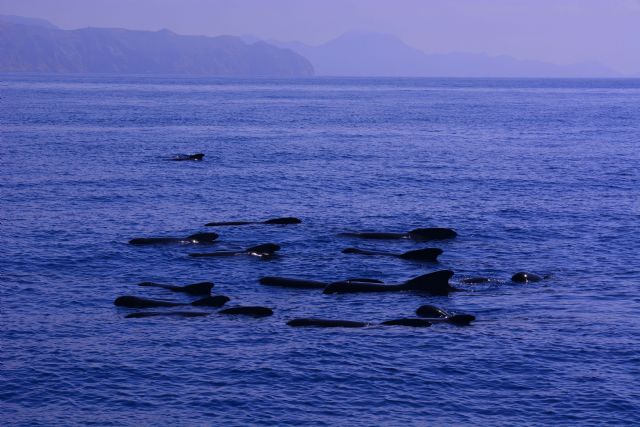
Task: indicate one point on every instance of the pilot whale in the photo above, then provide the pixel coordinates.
(426, 254)
(263, 251)
(130, 301)
(436, 283)
(524, 277)
(202, 288)
(194, 238)
(254, 311)
(186, 157)
(407, 321)
(418, 234)
(273, 221)
(436, 314)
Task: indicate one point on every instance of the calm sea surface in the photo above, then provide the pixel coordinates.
(537, 175)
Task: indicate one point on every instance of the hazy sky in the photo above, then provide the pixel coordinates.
(560, 31)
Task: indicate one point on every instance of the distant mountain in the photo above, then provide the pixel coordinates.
(22, 20)
(374, 54)
(36, 48)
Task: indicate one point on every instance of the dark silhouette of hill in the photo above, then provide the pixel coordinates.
(374, 54)
(40, 48)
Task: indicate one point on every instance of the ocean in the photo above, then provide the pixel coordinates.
(534, 175)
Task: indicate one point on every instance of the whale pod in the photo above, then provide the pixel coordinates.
(202, 288)
(418, 234)
(130, 301)
(273, 221)
(436, 283)
(248, 311)
(263, 251)
(194, 238)
(524, 277)
(426, 254)
(416, 323)
(141, 314)
(325, 323)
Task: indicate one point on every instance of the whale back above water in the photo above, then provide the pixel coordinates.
(202, 288)
(436, 283)
(254, 311)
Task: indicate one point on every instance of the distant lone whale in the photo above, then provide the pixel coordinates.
(129, 301)
(426, 254)
(202, 288)
(194, 238)
(419, 234)
(166, 313)
(287, 282)
(325, 323)
(262, 251)
(278, 221)
(436, 314)
(524, 277)
(436, 283)
(254, 311)
(187, 157)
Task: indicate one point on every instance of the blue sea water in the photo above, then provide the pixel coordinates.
(536, 175)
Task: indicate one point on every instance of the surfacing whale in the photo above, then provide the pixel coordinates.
(130, 301)
(253, 311)
(273, 221)
(436, 283)
(408, 321)
(287, 282)
(262, 251)
(426, 254)
(194, 239)
(418, 234)
(186, 157)
(436, 314)
(325, 323)
(524, 277)
(202, 288)
(141, 314)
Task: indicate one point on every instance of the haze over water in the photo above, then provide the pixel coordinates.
(537, 175)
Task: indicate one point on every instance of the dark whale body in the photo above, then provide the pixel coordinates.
(194, 238)
(418, 234)
(202, 288)
(248, 311)
(524, 277)
(476, 280)
(416, 323)
(142, 314)
(273, 221)
(436, 283)
(129, 301)
(325, 323)
(436, 314)
(426, 254)
(187, 157)
(263, 251)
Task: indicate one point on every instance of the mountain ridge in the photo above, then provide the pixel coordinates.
(34, 48)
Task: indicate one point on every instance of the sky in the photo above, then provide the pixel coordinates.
(558, 31)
